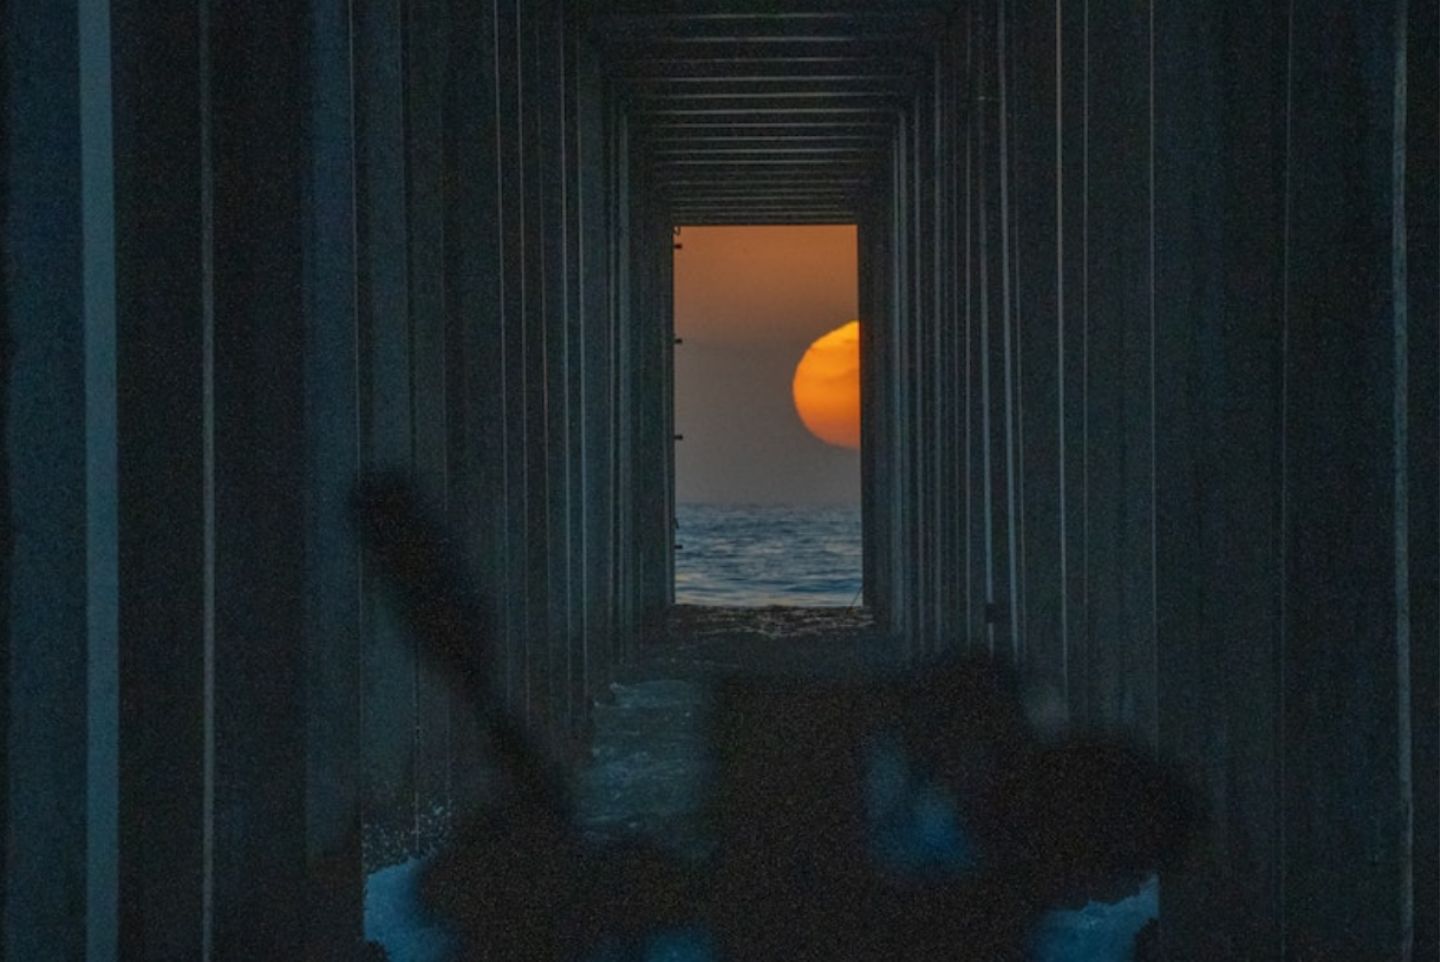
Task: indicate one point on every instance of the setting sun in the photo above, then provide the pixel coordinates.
(827, 387)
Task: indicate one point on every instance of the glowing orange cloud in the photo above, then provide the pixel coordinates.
(827, 387)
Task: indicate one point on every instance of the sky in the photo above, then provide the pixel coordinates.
(749, 301)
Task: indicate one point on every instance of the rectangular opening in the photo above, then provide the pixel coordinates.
(767, 459)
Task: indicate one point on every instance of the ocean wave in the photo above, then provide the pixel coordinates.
(755, 555)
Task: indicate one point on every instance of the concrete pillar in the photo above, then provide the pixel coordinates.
(1162, 423)
(598, 349)
(877, 413)
(978, 525)
(201, 770)
(1120, 642)
(953, 618)
(920, 355)
(656, 452)
(334, 752)
(281, 269)
(426, 62)
(1072, 323)
(882, 418)
(509, 133)
(572, 278)
(474, 301)
(993, 347)
(903, 360)
(623, 229)
(1289, 624)
(386, 414)
(1032, 93)
(1006, 412)
(665, 285)
(547, 93)
(59, 709)
(533, 334)
(533, 78)
(1422, 219)
(651, 336)
(1347, 785)
(251, 263)
(167, 573)
(1219, 228)
(870, 401)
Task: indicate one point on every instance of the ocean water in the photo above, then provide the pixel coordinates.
(749, 555)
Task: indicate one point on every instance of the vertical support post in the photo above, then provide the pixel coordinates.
(872, 527)
(1345, 663)
(1120, 644)
(59, 710)
(1422, 222)
(531, 78)
(1035, 145)
(254, 178)
(474, 301)
(1072, 322)
(387, 428)
(1219, 235)
(597, 377)
(334, 751)
(553, 309)
(575, 571)
(166, 484)
(623, 228)
(426, 55)
(510, 130)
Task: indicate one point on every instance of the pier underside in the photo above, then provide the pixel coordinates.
(1151, 413)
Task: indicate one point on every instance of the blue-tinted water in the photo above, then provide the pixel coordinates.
(752, 555)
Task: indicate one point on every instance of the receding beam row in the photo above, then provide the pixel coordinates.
(748, 202)
(762, 220)
(679, 69)
(765, 126)
(855, 85)
(819, 165)
(717, 9)
(733, 111)
(686, 27)
(839, 216)
(802, 104)
(757, 49)
(819, 81)
(778, 138)
(776, 156)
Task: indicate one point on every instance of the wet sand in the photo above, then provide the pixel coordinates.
(648, 756)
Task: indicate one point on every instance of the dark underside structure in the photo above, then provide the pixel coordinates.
(1151, 410)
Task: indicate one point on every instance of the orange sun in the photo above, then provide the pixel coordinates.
(827, 387)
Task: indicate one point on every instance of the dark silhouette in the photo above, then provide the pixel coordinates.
(1052, 824)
